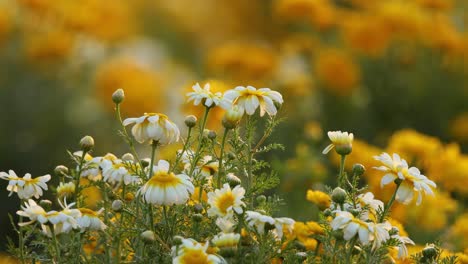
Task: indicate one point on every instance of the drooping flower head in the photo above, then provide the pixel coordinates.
(89, 220)
(249, 99)
(153, 126)
(33, 211)
(207, 97)
(166, 188)
(191, 252)
(224, 202)
(62, 221)
(341, 141)
(411, 178)
(65, 189)
(25, 187)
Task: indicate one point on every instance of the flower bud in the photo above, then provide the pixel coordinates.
(231, 156)
(338, 195)
(128, 157)
(394, 231)
(344, 149)
(145, 162)
(117, 205)
(261, 199)
(190, 121)
(148, 236)
(327, 212)
(87, 143)
(354, 212)
(197, 217)
(430, 252)
(233, 180)
(358, 169)
(198, 208)
(232, 117)
(177, 240)
(61, 171)
(118, 96)
(212, 135)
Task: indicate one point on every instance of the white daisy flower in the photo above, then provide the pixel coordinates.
(89, 220)
(282, 223)
(351, 226)
(367, 199)
(165, 188)
(153, 126)
(208, 98)
(402, 250)
(25, 187)
(33, 211)
(343, 142)
(248, 99)
(412, 179)
(63, 221)
(226, 224)
(224, 202)
(115, 172)
(379, 233)
(258, 221)
(191, 252)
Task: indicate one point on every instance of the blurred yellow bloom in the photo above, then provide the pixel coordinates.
(459, 127)
(337, 71)
(48, 47)
(439, 5)
(459, 230)
(320, 13)
(403, 18)
(366, 34)
(91, 195)
(6, 22)
(313, 130)
(321, 199)
(415, 147)
(143, 86)
(242, 61)
(196, 195)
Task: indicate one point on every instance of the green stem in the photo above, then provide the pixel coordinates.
(249, 155)
(56, 245)
(21, 241)
(166, 222)
(200, 140)
(341, 177)
(189, 133)
(390, 202)
(77, 178)
(154, 146)
(106, 219)
(220, 170)
(127, 137)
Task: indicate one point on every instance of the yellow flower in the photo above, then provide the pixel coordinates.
(191, 252)
(439, 5)
(337, 71)
(313, 130)
(321, 199)
(403, 18)
(49, 47)
(166, 188)
(459, 230)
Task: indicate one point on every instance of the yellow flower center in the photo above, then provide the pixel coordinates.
(194, 256)
(164, 180)
(225, 201)
(89, 212)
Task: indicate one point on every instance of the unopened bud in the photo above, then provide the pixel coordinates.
(198, 208)
(117, 205)
(190, 121)
(233, 180)
(197, 217)
(261, 199)
(232, 117)
(128, 157)
(177, 240)
(231, 156)
(430, 252)
(358, 169)
(338, 195)
(145, 162)
(87, 143)
(118, 96)
(61, 171)
(344, 149)
(129, 197)
(212, 135)
(148, 236)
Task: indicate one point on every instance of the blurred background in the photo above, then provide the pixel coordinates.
(393, 72)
